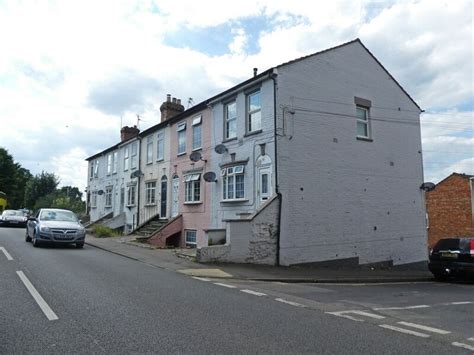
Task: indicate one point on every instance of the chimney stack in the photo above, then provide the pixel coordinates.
(128, 132)
(170, 108)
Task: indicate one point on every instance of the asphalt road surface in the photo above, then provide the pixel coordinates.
(66, 300)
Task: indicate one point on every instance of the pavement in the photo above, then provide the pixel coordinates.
(183, 261)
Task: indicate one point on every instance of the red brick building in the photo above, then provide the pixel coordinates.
(450, 208)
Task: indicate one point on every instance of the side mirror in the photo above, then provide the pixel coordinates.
(32, 219)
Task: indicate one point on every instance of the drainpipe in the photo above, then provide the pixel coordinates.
(274, 76)
(139, 178)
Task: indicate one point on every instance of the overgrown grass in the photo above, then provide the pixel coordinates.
(101, 231)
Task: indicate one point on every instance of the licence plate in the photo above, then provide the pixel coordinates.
(449, 255)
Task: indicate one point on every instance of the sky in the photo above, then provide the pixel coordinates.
(73, 72)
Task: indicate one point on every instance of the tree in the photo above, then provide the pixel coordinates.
(39, 186)
(13, 179)
(66, 197)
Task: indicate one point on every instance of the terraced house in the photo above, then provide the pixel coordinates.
(318, 159)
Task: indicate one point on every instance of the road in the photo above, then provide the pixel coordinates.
(98, 302)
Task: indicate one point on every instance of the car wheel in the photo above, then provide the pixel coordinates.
(79, 245)
(27, 237)
(35, 241)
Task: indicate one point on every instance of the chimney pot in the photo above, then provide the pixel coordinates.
(174, 100)
(255, 71)
(178, 101)
(168, 97)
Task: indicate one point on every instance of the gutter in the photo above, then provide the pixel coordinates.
(273, 75)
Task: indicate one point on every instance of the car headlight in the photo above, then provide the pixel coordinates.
(44, 229)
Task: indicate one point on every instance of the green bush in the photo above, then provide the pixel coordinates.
(101, 231)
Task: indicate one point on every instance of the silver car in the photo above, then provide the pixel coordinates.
(13, 218)
(55, 226)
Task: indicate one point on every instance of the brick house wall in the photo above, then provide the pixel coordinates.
(449, 208)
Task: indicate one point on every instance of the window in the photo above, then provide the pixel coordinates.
(150, 193)
(96, 169)
(109, 164)
(131, 195)
(160, 146)
(190, 237)
(108, 196)
(134, 156)
(126, 159)
(254, 112)
(115, 163)
(197, 132)
(192, 184)
(230, 112)
(91, 175)
(363, 129)
(149, 150)
(94, 199)
(233, 186)
(182, 138)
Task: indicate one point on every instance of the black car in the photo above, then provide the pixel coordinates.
(452, 257)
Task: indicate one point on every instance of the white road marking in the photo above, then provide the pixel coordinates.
(459, 303)
(367, 314)
(424, 327)
(37, 297)
(462, 345)
(9, 257)
(407, 307)
(339, 314)
(224, 285)
(470, 339)
(201, 278)
(405, 331)
(290, 302)
(255, 293)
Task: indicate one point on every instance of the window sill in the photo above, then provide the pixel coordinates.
(252, 133)
(229, 140)
(159, 160)
(180, 154)
(197, 149)
(108, 206)
(150, 205)
(365, 139)
(235, 200)
(193, 203)
(149, 163)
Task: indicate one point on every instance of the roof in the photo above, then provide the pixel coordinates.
(357, 40)
(467, 176)
(203, 104)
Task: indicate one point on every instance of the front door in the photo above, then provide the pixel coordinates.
(264, 189)
(164, 196)
(175, 197)
(122, 199)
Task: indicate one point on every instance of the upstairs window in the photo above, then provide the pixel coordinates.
(115, 163)
(109, 164)
(134, 156)
(126, 158)
(230, 112)
(96, 169)
(91, 174)
(150, 193)
(197, 133)
(149, 150)
(160, 146)
(181, 138)
(192, 183)
(108, 196)
(363, 126)
(233, 184)
(254, 114)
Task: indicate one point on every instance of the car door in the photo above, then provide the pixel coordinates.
(31, 224)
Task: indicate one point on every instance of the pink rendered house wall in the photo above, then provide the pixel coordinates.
(195, 216)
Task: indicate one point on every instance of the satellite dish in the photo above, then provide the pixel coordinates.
(196, 156)
(220, 149)
(136, 173)
(210, 176)
(427, 186)
(100, 192)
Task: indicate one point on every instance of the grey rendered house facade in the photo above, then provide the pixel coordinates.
(341, 141)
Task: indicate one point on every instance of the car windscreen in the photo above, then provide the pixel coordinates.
(12, 213)
(58, 216)
(446, 244)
